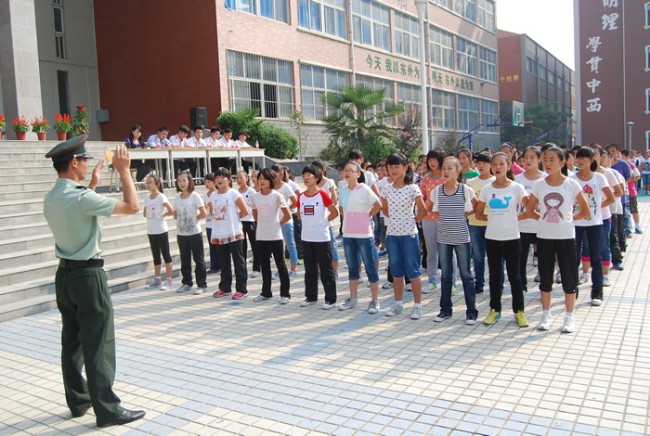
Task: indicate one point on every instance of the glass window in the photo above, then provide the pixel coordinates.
(551, 78)
(490, 114)
(531, 66)
(314, 83)
(466, 8)
(443, 109)
(407, 35)
(647, 139)
(647, 57)
(647, 15)
(64, 91)
(486, 14)
(467, 112)
(466, 57)
(542, 72)
(323, 16)
(409, 95)
(261, 83)
(375, 83)
(441, 46)
(647, 101)
(59, 30)
(371, 23)
(275, 9)
(488, 64)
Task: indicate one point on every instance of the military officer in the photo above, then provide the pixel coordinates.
(82, 295)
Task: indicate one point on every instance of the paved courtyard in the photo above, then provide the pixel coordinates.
(199, 365)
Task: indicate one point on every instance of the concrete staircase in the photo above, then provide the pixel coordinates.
(27, 261)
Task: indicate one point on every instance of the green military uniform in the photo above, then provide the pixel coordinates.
(82, 294)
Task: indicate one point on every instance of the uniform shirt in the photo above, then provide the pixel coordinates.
(314, 214)
(226, 143)
(606, 212)
(187, 222)
(226, 226)
(72, 212)
(452, 225)
(155, 141)
(556, 208)
(358, 203)
(268, 209)
(194, 143)
(592, 189)
(156, 224)
(502, 224)
(213, 142)
(401, 203)
(529, 225)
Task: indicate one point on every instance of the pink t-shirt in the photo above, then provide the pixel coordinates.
(631, 185)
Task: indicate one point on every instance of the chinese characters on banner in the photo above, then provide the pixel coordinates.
(609, 22)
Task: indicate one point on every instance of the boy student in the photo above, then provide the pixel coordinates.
(215, 137)
(159, 139)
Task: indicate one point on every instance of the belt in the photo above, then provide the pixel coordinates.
(72, 264)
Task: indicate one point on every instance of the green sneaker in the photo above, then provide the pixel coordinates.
(521, 319)
(493, 317)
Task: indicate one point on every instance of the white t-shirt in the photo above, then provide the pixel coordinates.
(226, 226)
(358, 204)
(268, 215)
(287, 192)
(528, 225)
(186, 214)
(247, 196)
(381, 184)
(208, 218)
(606, 212)
(556, 208)
(502, 224)
(592, 189)
(296, 191)
(156, 224)
(314, 213)
(617, 207)
(401, 204)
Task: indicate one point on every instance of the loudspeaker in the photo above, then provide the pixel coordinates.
(199, 117)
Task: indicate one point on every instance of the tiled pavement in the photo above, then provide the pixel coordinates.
(198, 365)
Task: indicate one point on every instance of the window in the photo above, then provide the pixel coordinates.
(375, 83)
(371, 24)
(323, 16)
(490, 114)
(551, 78)
(261, 83)
(488, 65)
(443, 3)
(275, 9)
(314, 83)
(64, 94)
(542, 72)
(486, 14)
(466, 57)
(410, 96)
(59, 30)
(443, 109)
(442, 49)
(531, 66)
(466, 8)
(407, 36)
(647, 100)
(467, 112)
(647, 15)
(647, 57)
(647, 139)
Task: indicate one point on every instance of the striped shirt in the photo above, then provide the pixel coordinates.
(452, 223)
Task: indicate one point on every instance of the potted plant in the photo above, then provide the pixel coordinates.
(80, 123)
(21, 127)
(62, 125)
(3, 124)
(39, 126)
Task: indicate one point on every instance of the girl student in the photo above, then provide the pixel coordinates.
(287, 228)
(227, 207)
(598, 194)
(617, 244)
(328, 185)
(452, 202)
(188, 210)
(555, 195)
(476, 226)
(316, 209)
(270, 212)
(359, 204)
(248, 222)
(210, 187)
(398, 201)
(466, 159)
(498, 204)
(528, 226)
(156, 208)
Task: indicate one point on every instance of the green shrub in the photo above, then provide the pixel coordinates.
(276, 141)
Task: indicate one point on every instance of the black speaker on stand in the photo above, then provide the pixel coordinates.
(199, 117)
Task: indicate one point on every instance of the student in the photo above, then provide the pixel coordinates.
(616, 237)
(466, 159)
(476, 226)
(214, 254)
(597, 194)
(188, 210)
(196, 140)
(227, 207)
(156, 208)
(510, 150)
(248, 222)
(134, 140)
(452, 202)
(431, 180)
(287, 228)
(328, 185)
(316, 209)
(213, 140)
(528, 226)
(360, 205)
(289, 179)
(498, 203)
(555, 196)
(268, 205)
(402, 241)
(159, 139)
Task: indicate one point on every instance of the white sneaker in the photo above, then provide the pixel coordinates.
(260, 298)
(328, 306)
(395, 310)
(537, 278)
(373, 307)
(545, 323)
(569, 325)
(184, 289)
(387, 285)
(167, 284)
(306, 303)
(558, 277)
(416, 313)
(535, 260)
(285, 300)
(584, 278)
(154, 283)
(199, 291)
(254, 274)
(407, 288)
(607, 281)
(596, 302)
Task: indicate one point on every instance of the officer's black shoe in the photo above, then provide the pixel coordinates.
(126, 417)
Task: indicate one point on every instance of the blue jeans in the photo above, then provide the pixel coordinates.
(364, 248)
(445, 251)
(335, 251)
(606, 253)
(593, 235)
(287, 234)
(404, 256)
(477, 241)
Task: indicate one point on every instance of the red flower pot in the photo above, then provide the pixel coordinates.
(20, 136)
(41, 135)
(61, 136)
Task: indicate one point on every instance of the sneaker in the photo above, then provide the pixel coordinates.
(240, 295)
(285, 300)
(328, 306)
(307, 302)
(220, 293)
(638, 230)
(373, 307)
(569, 325)
(167, 284)
(479, 290)
(453, 288)
(293, 275)
(537, 278)
(617, 266)
(628, 235)
(154, 283)
(199, 291)
(607, 281)
(184, 289)
(520, 317)
(441, 317)
(254, 274)
(493, 317)
(596, 302)
(383, 252)
(416, 313)
(545, 323)
(360, 280)
(584, 278)
(558, 277)
(213, 271)
(348, 304)
(260, 298)
(407, 288)
(535, 260)
(395, 310)
(471, 320)
(387, 285)
(429, 289)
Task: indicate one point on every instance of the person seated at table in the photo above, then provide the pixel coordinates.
(241, 143)
(226, 142)
(226, 139)
(215, 137)
(178, 141)
(195, 141)
(134, 140)
(159, 139)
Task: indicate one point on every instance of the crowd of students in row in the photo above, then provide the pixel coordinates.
(446, 213)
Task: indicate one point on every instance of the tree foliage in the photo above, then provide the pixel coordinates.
(547, 126)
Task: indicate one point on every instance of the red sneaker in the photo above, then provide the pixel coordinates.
(239, 295)
(220, 293)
